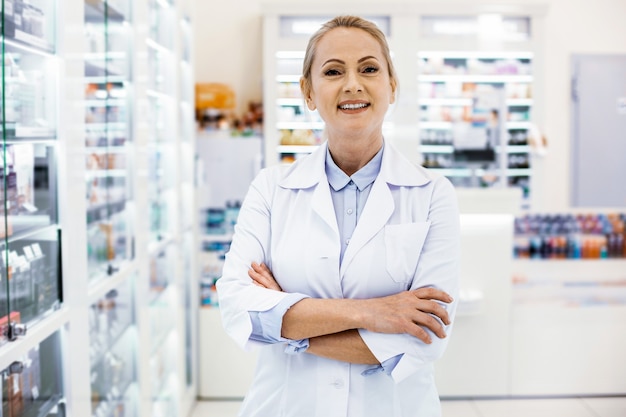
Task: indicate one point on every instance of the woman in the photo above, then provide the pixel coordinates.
(344, 265)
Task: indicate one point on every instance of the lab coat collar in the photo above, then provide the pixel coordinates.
(395, 170)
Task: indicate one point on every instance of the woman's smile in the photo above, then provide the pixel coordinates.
(353, 106)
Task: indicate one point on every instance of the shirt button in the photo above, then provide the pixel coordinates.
(349, 211)
(347, 241)
(338, 383)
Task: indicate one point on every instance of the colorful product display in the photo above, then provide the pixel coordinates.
(221, 220)
(570, 236)
(211, 261)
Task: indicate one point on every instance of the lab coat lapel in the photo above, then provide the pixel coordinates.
(322, 204)
(309, 174)
(377, 211)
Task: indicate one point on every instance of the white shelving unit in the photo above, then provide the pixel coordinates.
(102, 338)
(448, 81)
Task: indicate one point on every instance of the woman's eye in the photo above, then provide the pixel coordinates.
(370, 69)
(331, 72)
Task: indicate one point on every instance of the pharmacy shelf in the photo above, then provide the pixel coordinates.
(62, 333)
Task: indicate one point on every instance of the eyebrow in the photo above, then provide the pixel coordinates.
(365, 58)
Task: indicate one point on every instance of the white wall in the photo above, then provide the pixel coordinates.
(228, 50)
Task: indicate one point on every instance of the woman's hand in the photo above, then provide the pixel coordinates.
(409, 312)
(263, 277)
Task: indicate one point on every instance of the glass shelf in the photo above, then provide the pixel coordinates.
(113, 346)
(30, 24)
(30, 274)
(29, 89)
(108, 136)
(163, 113)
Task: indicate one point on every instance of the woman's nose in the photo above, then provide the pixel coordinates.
(353, 83)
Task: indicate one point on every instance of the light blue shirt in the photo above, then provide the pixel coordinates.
(349, 195)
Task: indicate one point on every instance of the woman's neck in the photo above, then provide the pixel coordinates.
(350, 156)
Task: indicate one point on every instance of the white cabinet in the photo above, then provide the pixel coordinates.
(477, 359)
(226, 371)
(567, 327)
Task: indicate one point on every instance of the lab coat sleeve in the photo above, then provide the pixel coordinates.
(238, 295)
(438, 267)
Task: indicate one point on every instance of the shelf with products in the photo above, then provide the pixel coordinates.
(570, 259)
(161, 147)
(33, 382)
(70, 168)
(28, 85)
(540, 236)
(288, 121)
(30, 269)
(166, 152)
(32, 266)
(570, 267)
(30, 24)
(450, 86)
(295, 123)
(211, 261)
(108, 144)
(217, 233)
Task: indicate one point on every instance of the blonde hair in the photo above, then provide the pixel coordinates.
(344, 22)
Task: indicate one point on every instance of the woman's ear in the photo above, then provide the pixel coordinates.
(310, 104)
(392, 98)
(306, 94)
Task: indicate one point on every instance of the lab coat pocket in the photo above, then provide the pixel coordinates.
(403, 246)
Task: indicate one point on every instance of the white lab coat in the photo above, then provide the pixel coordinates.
(407, 237)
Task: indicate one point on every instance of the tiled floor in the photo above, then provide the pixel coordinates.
(553, 407)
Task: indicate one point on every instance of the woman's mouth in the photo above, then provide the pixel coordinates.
(353, 106)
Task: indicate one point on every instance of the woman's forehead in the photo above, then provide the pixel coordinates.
(348, 41)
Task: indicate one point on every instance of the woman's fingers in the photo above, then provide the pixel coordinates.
(262, 276)
(430, 322)
(430, 293)
(435, 308)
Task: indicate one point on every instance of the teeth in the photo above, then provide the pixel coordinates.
(353, 106)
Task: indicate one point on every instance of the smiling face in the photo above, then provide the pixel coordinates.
(350, 85)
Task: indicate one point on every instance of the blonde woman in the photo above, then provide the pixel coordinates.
(344, 266)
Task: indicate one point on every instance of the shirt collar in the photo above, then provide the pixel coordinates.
(395, 170)
(362, 178)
